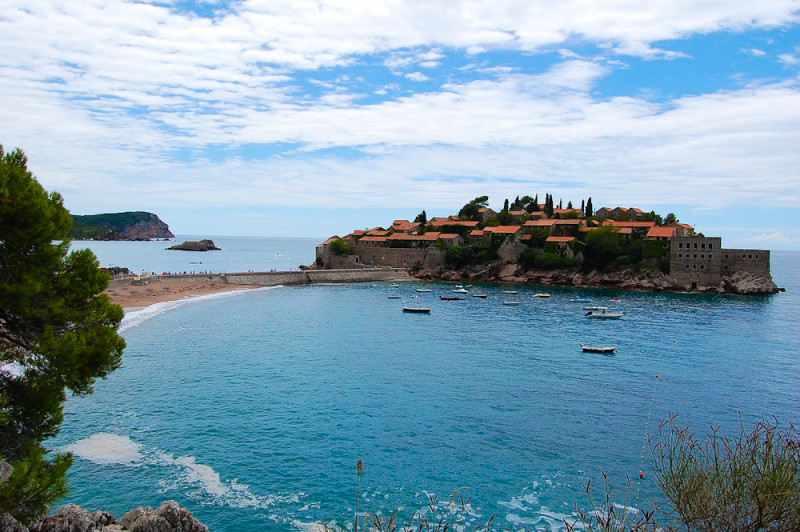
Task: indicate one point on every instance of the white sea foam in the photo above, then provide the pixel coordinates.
(104, 448)
(136, 317)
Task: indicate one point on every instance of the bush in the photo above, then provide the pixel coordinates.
(340, 247)
(749, 483)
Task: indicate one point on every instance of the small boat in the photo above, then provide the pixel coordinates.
(393, 297)
(508, 291)
(511, 303)
(460, 291)
(615, 300)
(541, 294)
(394, 285)
(452, 298)
(481, 295)
(580, 300)
(417, 310)
(602, 349)
(425, 290)
(602, 314)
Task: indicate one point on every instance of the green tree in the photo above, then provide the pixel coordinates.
(340, 247)
(535, 204)
(651, 217)
(602, 248)
(58, 330)
(470, 210)
(422, 218)
(670, 219)
(589, 212)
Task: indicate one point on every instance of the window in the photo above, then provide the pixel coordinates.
(687, 266)
(703, 245)
(709, 256)
(702, 255)
(744, 257)
(710, 245)
(695, 245)
(702, 266)
(680, 245)
(694, 266)
(727, 256)
(694, 256)
(749, 256)
(726, 266)
(680, 255)
(756, 257)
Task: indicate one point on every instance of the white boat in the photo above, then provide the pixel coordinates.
(461, 291)
(602, 314)
(426, 290)
(541, 294)
(605, 350)
(394, 285)
(508, 291)
(580, 300)
(481, 295)
(416, 310)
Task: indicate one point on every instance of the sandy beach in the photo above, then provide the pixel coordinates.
(135, 296)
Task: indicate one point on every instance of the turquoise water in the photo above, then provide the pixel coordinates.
(252, 409)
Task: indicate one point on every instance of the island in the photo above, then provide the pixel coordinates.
(526, 242)
(119, 226)
(198, 245)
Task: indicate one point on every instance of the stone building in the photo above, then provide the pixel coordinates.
(700, 263)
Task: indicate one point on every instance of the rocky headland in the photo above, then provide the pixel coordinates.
(630, 280)
(119, 226)
(169, 517)
(196, 245)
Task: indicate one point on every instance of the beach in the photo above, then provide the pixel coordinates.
(138, 296)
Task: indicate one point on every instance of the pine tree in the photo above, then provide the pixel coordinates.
(56, 326)
(589, 212)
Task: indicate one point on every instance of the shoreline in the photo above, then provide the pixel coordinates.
(134, 297)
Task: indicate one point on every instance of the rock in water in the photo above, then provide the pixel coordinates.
(201, 245)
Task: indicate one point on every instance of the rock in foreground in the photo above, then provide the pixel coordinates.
(200, 245)
(169, 517)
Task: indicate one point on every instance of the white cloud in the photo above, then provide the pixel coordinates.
(756, 52)
(416, 76)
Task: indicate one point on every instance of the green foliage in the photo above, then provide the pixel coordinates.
(550, 261)
(462, 256)
(539, 237)
(55, 323)
(654, 249)
(651, 217)
(34, 482)
(340, 247)
(602, 248)
(589, 211)
(470, 210)
(422, 218)
(748, 483)
(670, 219)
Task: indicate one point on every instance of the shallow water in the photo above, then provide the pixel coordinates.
(253, 408)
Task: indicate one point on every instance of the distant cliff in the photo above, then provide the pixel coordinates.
(119, 226)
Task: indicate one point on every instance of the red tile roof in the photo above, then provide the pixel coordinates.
(427, 237)
(539, 223)
(560, 239)
(662, 232)
(373, 239)
(440, 222)
(503, 229)
(568, 222)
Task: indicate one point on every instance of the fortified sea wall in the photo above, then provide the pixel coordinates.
(277, 278)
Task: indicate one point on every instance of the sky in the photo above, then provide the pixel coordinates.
(314, 118)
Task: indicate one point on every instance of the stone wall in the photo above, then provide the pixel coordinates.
(745, 260)
(278, 278)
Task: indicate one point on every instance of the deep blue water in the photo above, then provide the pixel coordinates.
(253, 409)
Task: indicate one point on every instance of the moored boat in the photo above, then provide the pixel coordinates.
(541, 294)
(606, 350)
(511, 303)
(452, 298)
(601, 313)
(417, 310)
(481, 295)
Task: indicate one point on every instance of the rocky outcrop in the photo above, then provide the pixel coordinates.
(747, 283)
(169, 517)
(199, 245)
(630, 280)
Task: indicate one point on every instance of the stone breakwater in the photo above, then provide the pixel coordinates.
(169, 517)
(277, 278)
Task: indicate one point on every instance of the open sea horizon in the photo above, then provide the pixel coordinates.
(252, 408)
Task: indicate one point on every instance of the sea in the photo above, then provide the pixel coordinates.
(252, 409)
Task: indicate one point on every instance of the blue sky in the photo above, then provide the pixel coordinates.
(314, 118)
